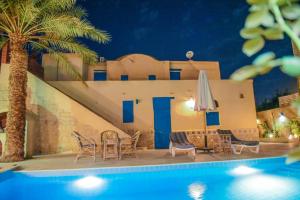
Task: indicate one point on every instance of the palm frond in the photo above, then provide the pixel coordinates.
(3, 41)
(68, 26)
(69, 45)
(52, 26)
(66, 65)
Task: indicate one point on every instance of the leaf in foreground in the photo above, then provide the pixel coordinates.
(246, 72)
(291, 65)
(250, 33)
(252, 46)
(274, 34)
(264, 58)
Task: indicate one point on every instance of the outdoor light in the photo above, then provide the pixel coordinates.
(282, 118)
(291, 137)
(190, 103)
(90, 182)
(258, 121)
(243, 170)
(271, 135)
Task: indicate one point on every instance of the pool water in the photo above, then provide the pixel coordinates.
(259, 179)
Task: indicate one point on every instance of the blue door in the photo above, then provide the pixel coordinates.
(162, 121)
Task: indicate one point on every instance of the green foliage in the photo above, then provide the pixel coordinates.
(294, 126)
(270, 20)
(269, 131)
(51, 26)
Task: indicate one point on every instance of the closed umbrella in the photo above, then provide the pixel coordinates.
(204, 100)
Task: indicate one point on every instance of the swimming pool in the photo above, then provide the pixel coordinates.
(235, 180)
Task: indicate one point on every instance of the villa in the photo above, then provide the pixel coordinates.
(127, 94)
(150, 124)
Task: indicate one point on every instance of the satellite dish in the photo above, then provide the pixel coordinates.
(189, 55)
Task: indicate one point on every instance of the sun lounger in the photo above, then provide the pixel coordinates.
(179, 142)
(239, 145)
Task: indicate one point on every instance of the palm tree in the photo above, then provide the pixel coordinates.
(50, 26)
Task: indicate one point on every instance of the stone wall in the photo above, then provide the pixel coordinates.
(52, 116)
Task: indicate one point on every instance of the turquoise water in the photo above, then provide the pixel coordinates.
(261, 179)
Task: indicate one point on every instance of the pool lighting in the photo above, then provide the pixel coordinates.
(265, 187)
(190, 103)
(243, 170)
(90, 182)
(196, 191)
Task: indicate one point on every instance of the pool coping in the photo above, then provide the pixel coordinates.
(9, 168)
(124, 169)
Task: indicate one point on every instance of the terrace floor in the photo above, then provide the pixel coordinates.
(144, 157)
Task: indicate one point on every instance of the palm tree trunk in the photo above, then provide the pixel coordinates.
(16, 117)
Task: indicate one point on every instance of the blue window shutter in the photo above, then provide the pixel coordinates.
(175, 74)
(100, 76)
(212, 119)
(124, 77)
(128, 115)
(152, 77)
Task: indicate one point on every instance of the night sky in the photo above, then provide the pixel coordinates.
(166, 29)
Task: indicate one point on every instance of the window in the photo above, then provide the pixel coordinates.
(128, 115)
(175, 74)
(100, 75)
(124, 77)
(152, 77)
(212, 119)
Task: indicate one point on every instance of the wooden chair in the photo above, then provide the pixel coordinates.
(109, 143)
(197, 139)
(226, 143)
(87, 146)
(217, 143)
(128, 146)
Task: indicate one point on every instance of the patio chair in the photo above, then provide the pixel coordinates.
(196, 139)
(128, 146)
(217, 143)
(110, 143)
(87, 146)
(225, 143)
(179, 142)
(239, 145)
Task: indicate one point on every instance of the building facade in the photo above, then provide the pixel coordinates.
(139, 92)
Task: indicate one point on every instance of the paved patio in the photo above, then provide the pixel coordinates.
(144, 157)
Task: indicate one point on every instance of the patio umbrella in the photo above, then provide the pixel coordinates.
(204, 100)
